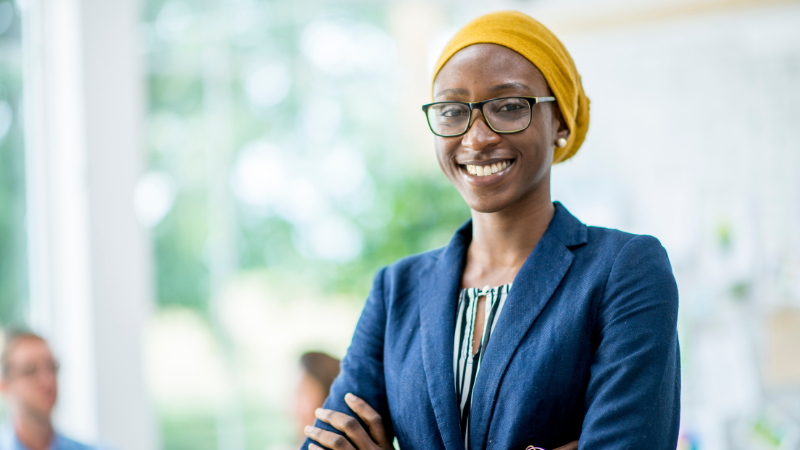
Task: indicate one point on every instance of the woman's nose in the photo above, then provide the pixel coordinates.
(479, 136)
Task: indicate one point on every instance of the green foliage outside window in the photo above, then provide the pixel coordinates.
(13, 261)
(268, 94)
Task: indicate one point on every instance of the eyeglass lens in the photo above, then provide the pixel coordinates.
(504, 115)
(33, 370)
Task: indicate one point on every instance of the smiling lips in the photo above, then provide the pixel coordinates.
(489, 169)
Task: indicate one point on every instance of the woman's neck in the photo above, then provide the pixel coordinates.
(503, 240)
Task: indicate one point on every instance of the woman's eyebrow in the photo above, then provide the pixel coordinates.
(509, 86)
(452, 91)
(493, 89)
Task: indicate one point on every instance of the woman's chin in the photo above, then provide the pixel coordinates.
(507, 200)
(489, 205)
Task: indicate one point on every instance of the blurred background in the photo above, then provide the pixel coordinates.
(195, 192)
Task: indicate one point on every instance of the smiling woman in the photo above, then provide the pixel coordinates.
(530, 329)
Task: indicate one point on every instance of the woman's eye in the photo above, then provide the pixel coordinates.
(511, 107)
(452, 112)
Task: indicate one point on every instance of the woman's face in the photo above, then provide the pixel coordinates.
(481, 72)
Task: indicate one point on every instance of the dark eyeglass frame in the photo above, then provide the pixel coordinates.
(33, 371)
(479, 106)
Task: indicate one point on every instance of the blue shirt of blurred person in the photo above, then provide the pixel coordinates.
(9, 441)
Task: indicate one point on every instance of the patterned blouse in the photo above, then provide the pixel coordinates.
(466, 364)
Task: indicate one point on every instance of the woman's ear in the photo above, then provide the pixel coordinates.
(559, 125)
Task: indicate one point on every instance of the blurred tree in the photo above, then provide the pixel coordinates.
(418, 211)
(303, 118)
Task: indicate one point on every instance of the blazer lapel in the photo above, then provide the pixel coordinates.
(437, 323)
(534, 284)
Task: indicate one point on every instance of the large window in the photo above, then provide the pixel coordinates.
(282, 176)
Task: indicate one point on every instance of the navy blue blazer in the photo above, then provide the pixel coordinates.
(586, 347)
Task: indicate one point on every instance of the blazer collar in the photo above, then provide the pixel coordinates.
(437, 323)
(567, 228)
(535, 283)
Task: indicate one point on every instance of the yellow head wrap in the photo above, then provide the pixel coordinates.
(531, 39)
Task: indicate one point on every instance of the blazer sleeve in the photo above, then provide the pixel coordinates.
(361, 370)
(633, 397)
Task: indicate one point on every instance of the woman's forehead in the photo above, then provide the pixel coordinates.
(488, 69)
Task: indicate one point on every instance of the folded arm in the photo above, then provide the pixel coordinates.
(361, 370)
(633, 397)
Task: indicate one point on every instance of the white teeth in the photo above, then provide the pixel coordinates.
(483, 171)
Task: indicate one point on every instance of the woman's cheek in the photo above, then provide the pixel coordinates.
(443, 157)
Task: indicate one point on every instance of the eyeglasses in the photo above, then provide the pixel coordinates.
(504, 115)
(33, 370)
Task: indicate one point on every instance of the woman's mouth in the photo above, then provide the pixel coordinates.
(487, 172)
(489, 169)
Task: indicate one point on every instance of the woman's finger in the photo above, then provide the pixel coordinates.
(373, 420)
(348, 425)
(571, 446)
(328, 439)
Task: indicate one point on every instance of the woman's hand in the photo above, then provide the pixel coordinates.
(571, 446)
(376, 439)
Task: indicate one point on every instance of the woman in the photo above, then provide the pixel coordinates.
(529, 328)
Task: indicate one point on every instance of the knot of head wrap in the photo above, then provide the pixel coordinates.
(537, 44)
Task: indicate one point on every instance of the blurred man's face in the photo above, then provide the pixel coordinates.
(31, 385)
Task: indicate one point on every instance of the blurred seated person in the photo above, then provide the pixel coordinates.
(318, 371)
(29, 386)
